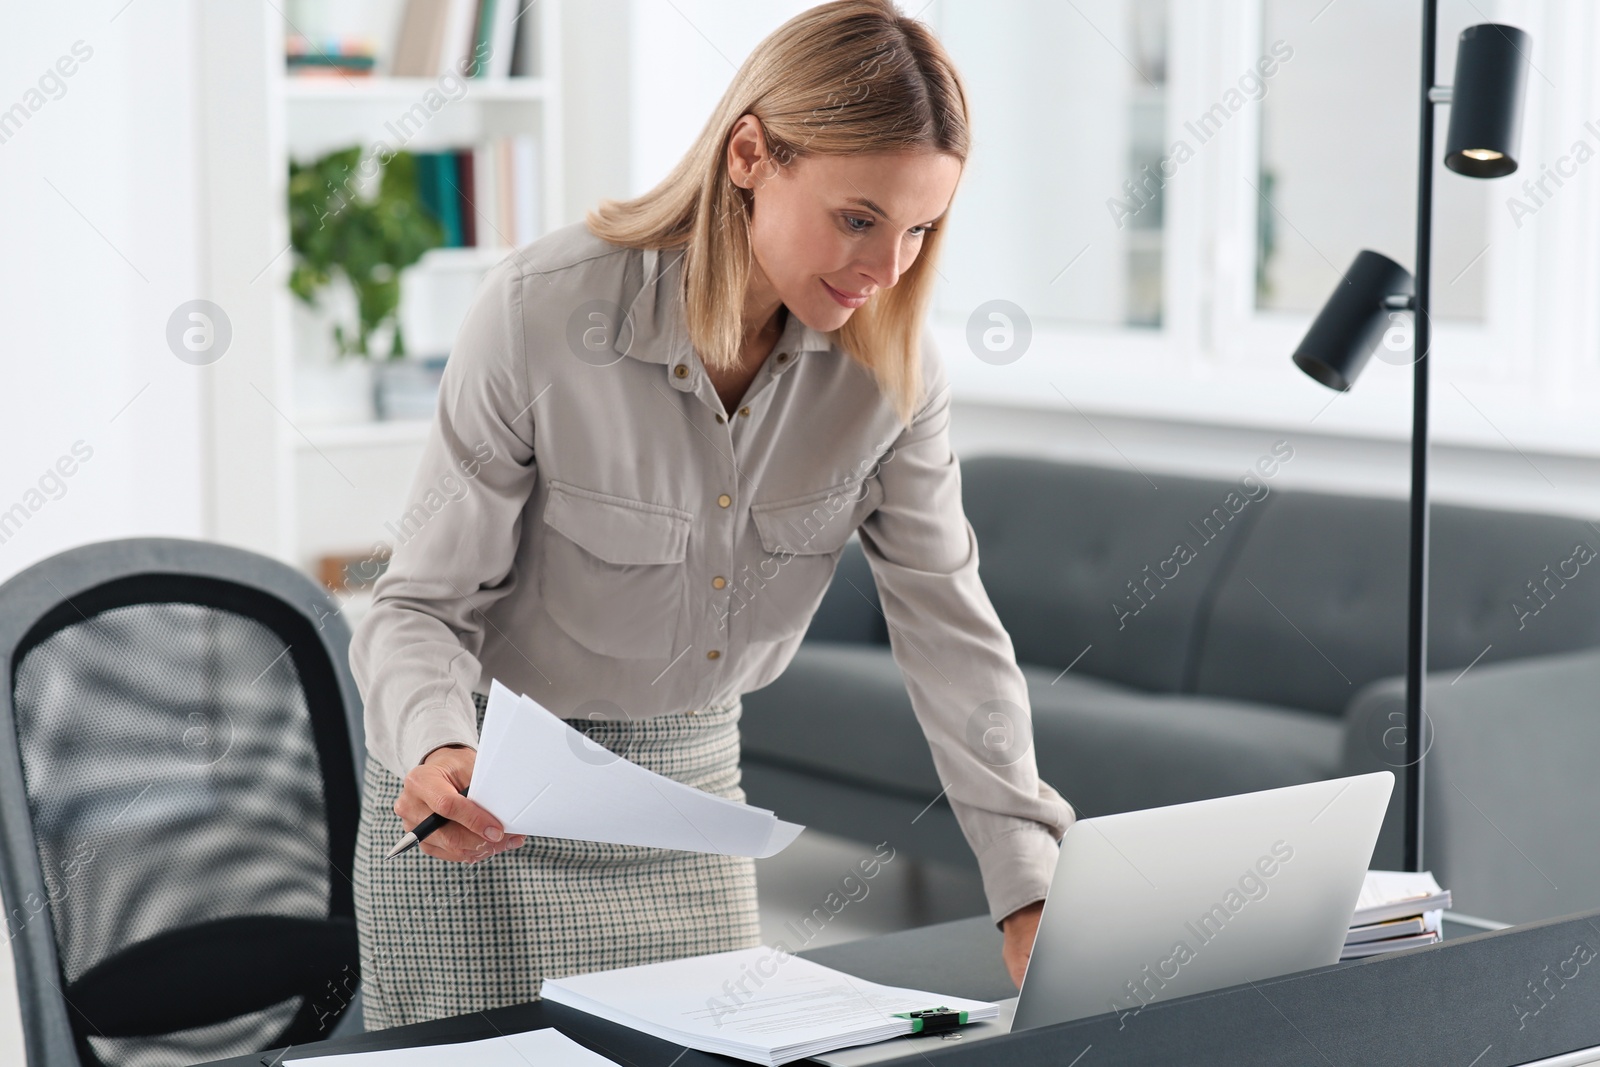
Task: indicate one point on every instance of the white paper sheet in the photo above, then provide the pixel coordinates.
(761, 1004)
(546, 1047)
(1393, 887)
(541, 777)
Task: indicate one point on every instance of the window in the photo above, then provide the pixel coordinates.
(1338, 155)
(1061, 208)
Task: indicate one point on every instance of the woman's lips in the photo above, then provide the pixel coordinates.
(847, 301)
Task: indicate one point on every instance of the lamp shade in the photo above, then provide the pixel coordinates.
(1350, 325)
(1486, 101)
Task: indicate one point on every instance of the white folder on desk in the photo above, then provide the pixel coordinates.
(541, 777)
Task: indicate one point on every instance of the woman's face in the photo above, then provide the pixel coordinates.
(829, 231)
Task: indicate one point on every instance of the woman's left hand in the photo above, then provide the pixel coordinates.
(1020, 927)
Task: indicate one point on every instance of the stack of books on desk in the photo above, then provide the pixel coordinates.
(764, 1005)
(1396, 909)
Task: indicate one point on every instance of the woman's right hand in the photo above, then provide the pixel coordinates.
(435, 785)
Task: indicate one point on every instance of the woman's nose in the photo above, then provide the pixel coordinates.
(884, 266)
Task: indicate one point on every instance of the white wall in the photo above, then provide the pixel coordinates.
(597, 97)
(684, 54)
(97, 247)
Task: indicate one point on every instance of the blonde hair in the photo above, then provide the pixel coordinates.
(843, 77)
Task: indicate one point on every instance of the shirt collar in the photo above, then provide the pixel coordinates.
(653, 330)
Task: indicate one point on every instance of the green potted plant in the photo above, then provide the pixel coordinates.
(345, 219)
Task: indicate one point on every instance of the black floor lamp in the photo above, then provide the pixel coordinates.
(1485, 123)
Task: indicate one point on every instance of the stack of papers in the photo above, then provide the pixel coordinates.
(539, 776)
(547, 1048)
(764, 1005)
(1396, 909)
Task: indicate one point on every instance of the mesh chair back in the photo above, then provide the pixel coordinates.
(180, 823)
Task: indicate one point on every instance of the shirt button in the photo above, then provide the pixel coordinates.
(724, 500)
(783, 357)
(713, 654)
(718, 582)
(720, 419)
(745, 411)
(681, 370)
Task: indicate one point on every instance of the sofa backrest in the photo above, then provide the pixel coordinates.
(1285, 597)
(1077, 557)
(1315, 605)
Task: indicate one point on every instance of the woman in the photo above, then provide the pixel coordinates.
(655, 435)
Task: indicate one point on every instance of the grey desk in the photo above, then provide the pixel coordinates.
(1470, 1000)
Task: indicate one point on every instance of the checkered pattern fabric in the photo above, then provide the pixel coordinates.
(441, 938)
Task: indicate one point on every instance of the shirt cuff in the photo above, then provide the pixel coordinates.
(428, 728)
(1017, 868)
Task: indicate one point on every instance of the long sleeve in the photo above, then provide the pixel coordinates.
(960, 669)
(415, 655)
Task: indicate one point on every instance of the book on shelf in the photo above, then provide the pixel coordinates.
(465, 190)
(455, 53)
(492, 49)
(407, 388)
(333, 57)
(418, 47)
(478, 38)
(486, 196)
(437, 182)
(1396, 910)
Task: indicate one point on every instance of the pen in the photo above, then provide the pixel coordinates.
(414, 835)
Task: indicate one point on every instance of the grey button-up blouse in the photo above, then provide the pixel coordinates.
(588, 524)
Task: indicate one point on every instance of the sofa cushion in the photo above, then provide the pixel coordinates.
(841, 711)
(1072, 557)
(1315, 605)
(1108, 748)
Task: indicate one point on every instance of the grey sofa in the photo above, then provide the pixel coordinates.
(1272, 653)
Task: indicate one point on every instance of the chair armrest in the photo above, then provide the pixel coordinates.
(1509, 785)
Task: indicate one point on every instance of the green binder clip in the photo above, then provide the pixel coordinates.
(933, 1020)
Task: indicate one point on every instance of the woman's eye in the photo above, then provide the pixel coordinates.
(866, 224)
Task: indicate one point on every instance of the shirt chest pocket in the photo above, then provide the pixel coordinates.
(612, 572)
(801, 540)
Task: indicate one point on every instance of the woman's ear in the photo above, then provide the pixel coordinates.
(750, 164)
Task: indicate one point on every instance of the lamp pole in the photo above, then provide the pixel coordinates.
(1417, 615)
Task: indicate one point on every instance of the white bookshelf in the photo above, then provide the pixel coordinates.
(286, 477)
(333, 90)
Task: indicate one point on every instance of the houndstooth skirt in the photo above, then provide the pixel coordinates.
(441, 938)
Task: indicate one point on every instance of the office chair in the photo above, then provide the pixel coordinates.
(178, 804)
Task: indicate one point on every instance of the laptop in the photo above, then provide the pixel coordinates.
(1146, 906)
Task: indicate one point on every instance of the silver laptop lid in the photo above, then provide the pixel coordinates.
(1156, 904)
